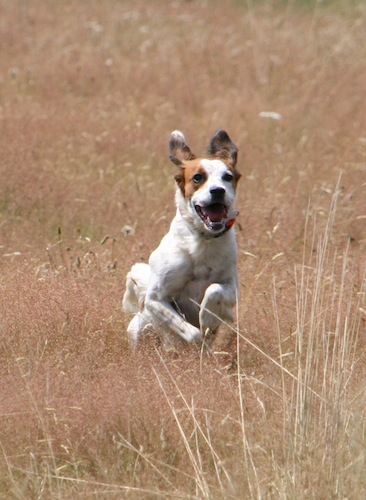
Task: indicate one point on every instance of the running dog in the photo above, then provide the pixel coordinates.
(190, 284)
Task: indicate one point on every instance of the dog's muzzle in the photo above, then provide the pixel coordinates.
(214, 216)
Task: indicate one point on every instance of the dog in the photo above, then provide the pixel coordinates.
(190, 284)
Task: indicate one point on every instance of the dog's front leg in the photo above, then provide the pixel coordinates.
(217, 306)
(168, 319)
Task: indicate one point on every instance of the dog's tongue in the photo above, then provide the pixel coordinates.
(215, 212)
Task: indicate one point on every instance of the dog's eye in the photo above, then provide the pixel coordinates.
(228, 177)
(197, 178)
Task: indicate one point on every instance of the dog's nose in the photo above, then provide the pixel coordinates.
(217, 191)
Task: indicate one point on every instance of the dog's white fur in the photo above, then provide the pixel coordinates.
(190, 284)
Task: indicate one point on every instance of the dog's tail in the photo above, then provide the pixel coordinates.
(136, 286)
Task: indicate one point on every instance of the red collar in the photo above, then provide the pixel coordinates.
(227, 227)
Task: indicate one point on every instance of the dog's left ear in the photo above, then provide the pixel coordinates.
(221, 146)
(179, 149)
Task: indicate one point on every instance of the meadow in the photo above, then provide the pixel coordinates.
(89, 93)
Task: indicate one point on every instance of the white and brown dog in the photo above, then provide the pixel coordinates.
(190, 284)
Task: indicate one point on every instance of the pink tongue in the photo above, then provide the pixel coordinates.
(215, 212)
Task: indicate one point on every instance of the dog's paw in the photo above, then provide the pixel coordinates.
(209, 322)
(137, 328)
(193, 334)
(214, 309)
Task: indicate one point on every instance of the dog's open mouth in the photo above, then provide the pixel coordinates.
(213, 216)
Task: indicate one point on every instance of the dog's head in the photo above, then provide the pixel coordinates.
(207, 185)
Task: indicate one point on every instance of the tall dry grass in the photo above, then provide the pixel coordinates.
(89, 93)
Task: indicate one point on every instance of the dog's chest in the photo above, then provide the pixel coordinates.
(202, 276)
(201, 272)
(190, 297)
(208, 266)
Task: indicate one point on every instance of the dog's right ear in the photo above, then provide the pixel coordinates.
(179, 149)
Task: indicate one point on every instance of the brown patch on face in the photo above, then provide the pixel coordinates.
(237, 176)
(191, 177)
(179, 178)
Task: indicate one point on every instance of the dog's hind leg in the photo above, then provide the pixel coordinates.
(136, 285)
(133, 301)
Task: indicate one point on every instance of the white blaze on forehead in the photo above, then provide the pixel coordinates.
(215, 170)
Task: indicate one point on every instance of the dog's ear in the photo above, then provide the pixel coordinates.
(179, 149)
(221, 146)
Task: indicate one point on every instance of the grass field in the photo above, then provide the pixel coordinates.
(89, 93)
